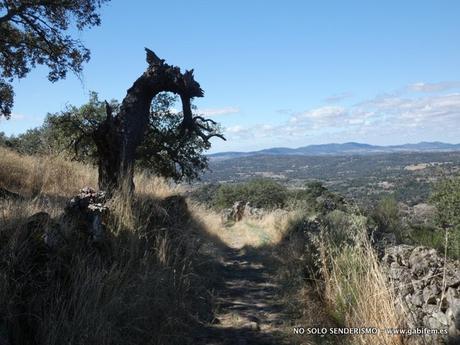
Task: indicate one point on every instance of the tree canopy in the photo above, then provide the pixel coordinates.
(446, 198)
(36, 32)
(163, 151)
(259, 192)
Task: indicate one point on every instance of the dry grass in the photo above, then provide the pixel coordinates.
(252, 232)
(155, 186)
(335, 274)
(355, 288)
(33, 176)
(146, 284)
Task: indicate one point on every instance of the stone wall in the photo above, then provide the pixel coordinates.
(427, 289)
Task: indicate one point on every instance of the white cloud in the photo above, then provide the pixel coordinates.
(385, 117)
(320, 117)
(219, 111)
(17, 117)
(433, 87)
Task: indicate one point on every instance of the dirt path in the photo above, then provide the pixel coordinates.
(248, 308)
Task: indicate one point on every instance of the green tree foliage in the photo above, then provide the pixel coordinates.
(386, 215)
(205, 194)
(264, 193)
(3, 139)
(70, 130)
(30, 142)
(315, 189)
(446, 198)
(36, 32)
(386, 218)
(162, 152)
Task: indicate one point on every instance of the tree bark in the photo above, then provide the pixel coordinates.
(118, 137)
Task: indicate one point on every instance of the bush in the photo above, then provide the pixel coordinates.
(206, 194)
(446, 198)
(262, 193)
(386, 217)
(340, 227)
(314, 198)
(435, 238)
(355, 288)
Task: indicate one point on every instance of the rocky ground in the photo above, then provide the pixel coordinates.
(248, 306)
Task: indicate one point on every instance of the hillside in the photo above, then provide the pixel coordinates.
(407, 175)
(158, 264)
(350, 148)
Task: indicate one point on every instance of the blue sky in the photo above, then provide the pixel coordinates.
(280, 73)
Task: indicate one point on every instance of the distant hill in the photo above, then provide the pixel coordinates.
(350, 148)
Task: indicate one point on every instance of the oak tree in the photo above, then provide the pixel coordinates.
(37, 32)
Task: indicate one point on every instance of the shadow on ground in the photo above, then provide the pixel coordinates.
(250, 310)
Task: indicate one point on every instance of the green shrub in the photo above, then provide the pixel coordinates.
(446, 198)
(314, 198)
(436, 238)
(262, 193)
(206, 194)
(387, 218)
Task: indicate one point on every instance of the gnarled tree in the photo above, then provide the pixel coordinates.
(118, 136)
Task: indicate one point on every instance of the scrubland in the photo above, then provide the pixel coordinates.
(154, 278)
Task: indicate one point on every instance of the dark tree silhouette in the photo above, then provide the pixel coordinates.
(35, 32)
(118, 137)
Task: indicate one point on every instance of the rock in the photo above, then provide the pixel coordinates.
(399, 254)
(453, 274)
(433, 323)
(424, 261)
(441, 318)
(422, 213)
(85, 213)
(424, 304)
(417, 299)
(226, 216)
(431, 294)
(238, 211)
(252, 212)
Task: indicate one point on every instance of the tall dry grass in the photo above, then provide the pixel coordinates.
(256, 232)
(355, 287)
(52, 175)
(147, 283)
(331, 277)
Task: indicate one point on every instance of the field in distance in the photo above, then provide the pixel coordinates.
(408, 176)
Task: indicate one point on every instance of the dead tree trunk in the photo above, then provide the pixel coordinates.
(118, 137)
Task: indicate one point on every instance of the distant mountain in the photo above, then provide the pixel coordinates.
(350, 148)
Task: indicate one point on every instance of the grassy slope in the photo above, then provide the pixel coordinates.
(150, 284)
(147, 285)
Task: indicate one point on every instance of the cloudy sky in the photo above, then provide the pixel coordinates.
(280, 73)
